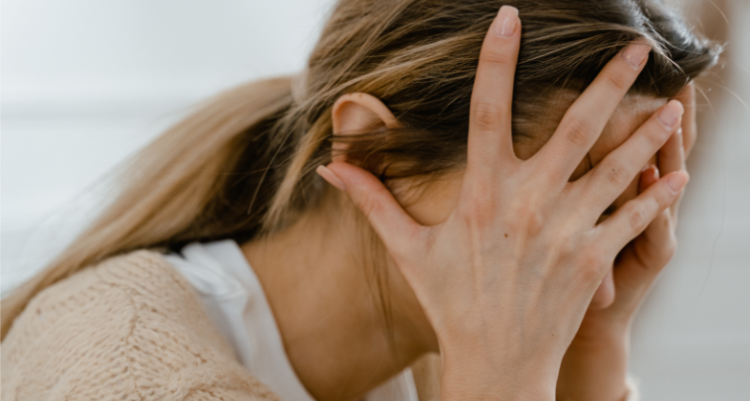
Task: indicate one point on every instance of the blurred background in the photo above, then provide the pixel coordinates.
(86, 83)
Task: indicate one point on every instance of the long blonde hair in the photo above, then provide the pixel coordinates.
(242, 166)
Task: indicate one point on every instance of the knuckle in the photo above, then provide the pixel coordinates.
(664, 198)
(569, 245)
(480, 208)
(526, 217)
(656, 255)
(657, 135)
(615, 174)
(578, 131)
(637, 218)
(617, 80)
(486, 115)
(592, 265)
(495, 58)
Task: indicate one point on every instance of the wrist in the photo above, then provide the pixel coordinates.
(481, 378)
(457, 390)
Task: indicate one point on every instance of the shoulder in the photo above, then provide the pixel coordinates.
(128, 326)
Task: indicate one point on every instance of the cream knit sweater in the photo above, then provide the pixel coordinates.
(132, 328)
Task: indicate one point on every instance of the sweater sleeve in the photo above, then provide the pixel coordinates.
(128, 329)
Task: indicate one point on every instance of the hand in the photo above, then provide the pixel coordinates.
(595, 365)
(507, 278)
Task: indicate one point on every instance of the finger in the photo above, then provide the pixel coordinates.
(672, 158)
(674, 210)
(490, 139)
(632, 218)
(393, 225)
(649, 177)
(611, 176)
(656, 245)
(641, 262)
(689, 123)
(585, 120)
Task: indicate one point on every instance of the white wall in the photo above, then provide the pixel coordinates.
(85, 83)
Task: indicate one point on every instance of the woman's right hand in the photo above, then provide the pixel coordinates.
(507, 278)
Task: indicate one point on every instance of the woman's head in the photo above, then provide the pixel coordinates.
(244, 165)
(419, 58)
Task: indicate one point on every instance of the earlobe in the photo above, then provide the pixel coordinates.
(357, 113)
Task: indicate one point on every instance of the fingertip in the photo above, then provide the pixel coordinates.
(677, 104)
(509, 9)
(671, 114)
(677, 180)
(350, 174)
(336, 165)
(331, 177)
(636, 53)
(341, 169)
(506, 23)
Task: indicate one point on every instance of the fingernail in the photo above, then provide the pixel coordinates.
(506, 21)
(677, 181)
(670, 115)
(650, 174)
(636, 53)
(329, 176)
(656, 172)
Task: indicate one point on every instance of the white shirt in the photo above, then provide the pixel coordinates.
(237, 305)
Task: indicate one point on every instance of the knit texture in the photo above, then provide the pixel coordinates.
(130, 328)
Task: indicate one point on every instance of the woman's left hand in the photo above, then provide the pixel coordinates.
(595, 365)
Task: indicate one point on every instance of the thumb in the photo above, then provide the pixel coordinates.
(390, 221)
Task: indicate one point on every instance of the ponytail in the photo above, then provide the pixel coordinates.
(189, 184)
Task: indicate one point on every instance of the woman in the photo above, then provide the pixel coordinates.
(508, 227)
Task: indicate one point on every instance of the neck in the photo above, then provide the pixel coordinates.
(326, 304)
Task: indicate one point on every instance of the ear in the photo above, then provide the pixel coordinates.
(357, 113)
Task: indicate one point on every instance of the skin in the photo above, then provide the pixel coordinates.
(321, 293)
(597, 359)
